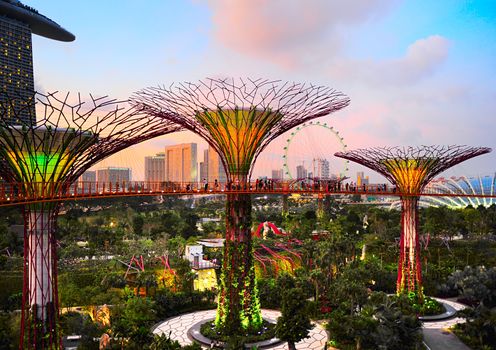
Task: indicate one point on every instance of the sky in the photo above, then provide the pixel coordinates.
(418, 72)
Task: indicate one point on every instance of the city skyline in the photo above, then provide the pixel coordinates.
(417, 73)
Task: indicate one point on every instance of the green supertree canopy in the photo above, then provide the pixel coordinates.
(239, 118)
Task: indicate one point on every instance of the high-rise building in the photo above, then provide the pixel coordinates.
(204, 166)
(113, 176)
(155, 171)
(277, 174)
(17, 22)
(181, 163)
(301, 172)
(361, 179)
(321, 168)
(216, 170)
(87, 182)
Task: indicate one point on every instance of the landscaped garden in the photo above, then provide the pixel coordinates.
(338, 268)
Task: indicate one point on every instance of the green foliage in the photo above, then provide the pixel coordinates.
(238, 307)
(9, 240)
(474, 284)
(146, 279)
(164, 342)
(138, 223)
(209, 330)
(74, 323)
(410, 303)
(170, 223)
(268, 293)
(294, 323)
(479, 330)
(10, 287)
(442, 221)
(168, 304)
(132, 321)
(184, 275)
(395, 329)
(347, 330)
(352, 288)
(383, 225)
(9, 330)
(79, 288)
(379, 324)
(190, 219)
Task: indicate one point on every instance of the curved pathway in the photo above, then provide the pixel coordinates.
(178, 328)
(436, 333)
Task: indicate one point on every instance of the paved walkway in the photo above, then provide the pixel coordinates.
(437, 336)
(178, 327)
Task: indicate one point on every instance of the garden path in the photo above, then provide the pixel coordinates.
(178, 327)
(437, 335)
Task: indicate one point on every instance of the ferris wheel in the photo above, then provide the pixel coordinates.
(318, 142)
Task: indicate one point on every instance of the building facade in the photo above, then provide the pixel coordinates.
(16, 71)
(155, 171)
(204, 166)
(301, 172)
(113, 176)
(17, 22)
(181, 163)
(216, 170)
(277, 174)
(362, 179)
(87, 182)
(321, 168)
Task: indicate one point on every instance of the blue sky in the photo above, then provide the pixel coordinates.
(417, 72)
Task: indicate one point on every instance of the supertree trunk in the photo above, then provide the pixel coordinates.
(238, 307)
(409, 267)
(239, 118)
(410, 169)
(285, 205)
(320, 206)
(40, 296)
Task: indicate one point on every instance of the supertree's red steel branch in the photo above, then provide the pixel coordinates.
(239, 118)
(410, 169)
(44, 159)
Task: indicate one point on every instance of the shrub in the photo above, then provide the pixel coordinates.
(479, 332)
(208, 330)
(9, 330)
(474, 284)
(410, 304)
(164, 342)
(171, 304)
(380, 323)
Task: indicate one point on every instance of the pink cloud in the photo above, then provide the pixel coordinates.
(287, 32)
(422, 58)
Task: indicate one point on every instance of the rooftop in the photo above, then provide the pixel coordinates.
(39, 24)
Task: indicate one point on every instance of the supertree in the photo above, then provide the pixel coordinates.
(43, 159)
(410, 169)
(239, 118)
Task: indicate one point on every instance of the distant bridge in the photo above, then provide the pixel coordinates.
(15, 193)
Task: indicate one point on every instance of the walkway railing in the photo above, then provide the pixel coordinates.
(23, 193)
